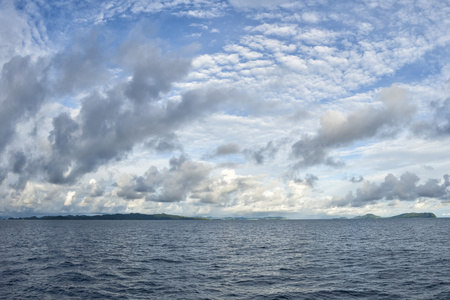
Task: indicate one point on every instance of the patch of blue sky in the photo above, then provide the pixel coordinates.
(70, 102)
(428, 65)
(353, 151)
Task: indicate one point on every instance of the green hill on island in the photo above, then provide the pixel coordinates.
(415, 215)
(401, 216)
(368, 216)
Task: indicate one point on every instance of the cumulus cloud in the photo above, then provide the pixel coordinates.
(356, 179)
(198, 183)
(404, 188)
(172, 184)
(70, 197)
(310, 180)
(164, 143)
(81, 66)
(95, 189)
(225, 149)
(438, 124)
(23, 84)
(116, 113)
(252, 194)
(338, 130)
(442, 117)
(73, 109)
(153, 72)
(262, 153)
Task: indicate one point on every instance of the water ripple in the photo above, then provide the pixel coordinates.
(317, 259)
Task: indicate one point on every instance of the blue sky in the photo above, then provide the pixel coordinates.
(304, 109)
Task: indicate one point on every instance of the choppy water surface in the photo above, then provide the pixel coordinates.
(313, 259)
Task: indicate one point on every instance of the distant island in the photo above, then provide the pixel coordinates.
(401, 216)
(138, 216)
(368, 216)
(132, 216)
(250, 219)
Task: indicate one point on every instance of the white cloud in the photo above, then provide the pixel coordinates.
(70, 198)
(104, 104)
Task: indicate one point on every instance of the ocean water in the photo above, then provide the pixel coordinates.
(272, 259)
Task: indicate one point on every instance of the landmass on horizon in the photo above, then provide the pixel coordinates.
(401, 216)
(163, 216)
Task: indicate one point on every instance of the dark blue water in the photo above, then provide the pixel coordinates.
(314, 259)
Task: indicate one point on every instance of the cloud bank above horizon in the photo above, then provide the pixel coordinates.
(228, 108)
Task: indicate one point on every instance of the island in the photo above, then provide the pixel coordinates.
(415, 215)
(131, 216)
(426, 215)
(253, 218)
(368, 216)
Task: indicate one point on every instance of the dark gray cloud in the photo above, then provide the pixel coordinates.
(299, 115)
(441, 119)
(438, 124)
(227, 149)
(122, 109)
(338, 130)
(23, 90)
(356, 179)
(172, 184)
(3, 174)
(310, 180)
(111, 120)
(18, 161)
(262, 153)
(164, 143)
(405, 188)
(109, 126)
(152, 72)
(81, 66)
(96, 189)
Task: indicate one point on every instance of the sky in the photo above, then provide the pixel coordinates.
(301, 109)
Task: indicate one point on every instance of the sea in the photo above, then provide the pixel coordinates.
(225, 259)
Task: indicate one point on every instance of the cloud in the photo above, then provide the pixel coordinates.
(153, 72)
(70, 198)
(87, 94)
(310, 180)
(197, 183)
(261, 154)
(442, 117)
(23, 90)
(252, 194)
(172, 184)
(164, 143)
(438, 124)
(258, 3)
(81, 66)
(20, 35)
(405, 188)
(225, 149)
(95, 189)
(338, 130)
(356, 179)
(111, 120)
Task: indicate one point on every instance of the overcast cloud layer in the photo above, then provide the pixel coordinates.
(226, 108)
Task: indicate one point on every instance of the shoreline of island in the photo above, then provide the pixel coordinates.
(163, 216)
